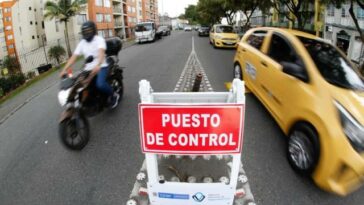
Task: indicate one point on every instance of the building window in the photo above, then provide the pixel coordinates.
(33, 37)
(343, 12)
(129, 9)
(36, 23)
(5, 48)
(10, 37)
(57, 26)
(110, 33)
(42, 24)
(105, 33)
(331, 10)
(133, 9)
(8, 28)
(99, 18)
(98, 2)
(30, 8)
(1, 30)
(107, 18)
(7, 19)
(100, 33)
(106, 3)
(7, 10)
(20, 31)
(31, 22)
(11, 46)
(359, 13)
(81, 18)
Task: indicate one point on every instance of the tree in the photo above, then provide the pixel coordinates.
(210, 11)
(56, 53)
(191, 14)
(295, 10)
(63, 10)
(248, 7)
(12, 64)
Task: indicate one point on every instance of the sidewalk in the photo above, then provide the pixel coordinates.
(12, 105)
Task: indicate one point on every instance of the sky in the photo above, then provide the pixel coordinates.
(174, 7)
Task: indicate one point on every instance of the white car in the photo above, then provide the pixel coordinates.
(188, 28)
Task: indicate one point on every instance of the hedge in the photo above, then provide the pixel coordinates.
(10, 83)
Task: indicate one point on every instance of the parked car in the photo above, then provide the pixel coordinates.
(317, 98)
(203, 31)
(188, 28)
(145, 31)
(223, 36)
(164, 30)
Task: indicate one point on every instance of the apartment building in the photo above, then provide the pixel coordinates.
(101, 12)
(7, 23)
(150, 10)
(130, 17)
(119, 21)
(341, 31)
(3, 47)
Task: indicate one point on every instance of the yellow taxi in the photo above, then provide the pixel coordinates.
(316, 96)
(223, 36)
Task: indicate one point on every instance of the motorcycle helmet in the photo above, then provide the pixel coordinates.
(88, 30)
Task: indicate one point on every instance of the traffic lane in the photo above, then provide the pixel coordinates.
(217, 62)
(35, 172)
(264, 151)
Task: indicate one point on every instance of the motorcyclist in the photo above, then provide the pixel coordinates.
(94, 45)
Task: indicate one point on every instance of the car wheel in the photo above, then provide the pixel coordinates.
(214, 44)
(237, 72)
(303, 149)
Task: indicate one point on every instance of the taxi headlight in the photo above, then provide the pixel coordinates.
(353, 130)
(218, 37)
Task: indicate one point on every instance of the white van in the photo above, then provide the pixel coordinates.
(145, 32)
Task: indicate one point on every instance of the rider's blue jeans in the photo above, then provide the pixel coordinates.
(101, 83)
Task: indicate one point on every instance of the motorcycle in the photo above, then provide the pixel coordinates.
(81, 99)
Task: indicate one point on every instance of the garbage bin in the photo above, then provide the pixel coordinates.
(44, 68)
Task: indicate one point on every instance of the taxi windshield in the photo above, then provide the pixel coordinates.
(224, 29)
(333, 66)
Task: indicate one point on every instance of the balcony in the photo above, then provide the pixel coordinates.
(117, 10)
(118, 24)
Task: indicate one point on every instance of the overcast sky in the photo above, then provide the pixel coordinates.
(174, 7)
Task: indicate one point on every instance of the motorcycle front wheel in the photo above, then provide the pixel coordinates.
(74, 132)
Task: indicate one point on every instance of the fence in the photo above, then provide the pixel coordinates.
(31, 58)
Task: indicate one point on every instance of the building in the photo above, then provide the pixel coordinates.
(130, 17)
(101, 12)
(7, 23)
(3, 47)
(178, 24)
(118, 15)
(341, 31)
(165, 20)
(150, 11)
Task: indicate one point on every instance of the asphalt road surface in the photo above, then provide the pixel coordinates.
(36, 169)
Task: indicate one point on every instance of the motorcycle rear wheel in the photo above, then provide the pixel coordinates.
(74, 132)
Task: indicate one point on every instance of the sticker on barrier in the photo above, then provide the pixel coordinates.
(191, 129)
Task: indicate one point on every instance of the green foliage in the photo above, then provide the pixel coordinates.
(12, 64)
(63, 10)
(56, 53)
(300, 9)
(212, 11)
(191, 14)
(30, 75)
(12, 82)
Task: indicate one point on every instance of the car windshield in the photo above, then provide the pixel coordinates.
(224, 29)
(143, 27)
(333, 66)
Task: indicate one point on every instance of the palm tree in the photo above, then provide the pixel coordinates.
(56, 53)
(63, 10)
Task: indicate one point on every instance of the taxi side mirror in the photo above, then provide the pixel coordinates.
(294, 70)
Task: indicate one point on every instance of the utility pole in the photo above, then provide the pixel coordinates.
(44, 50)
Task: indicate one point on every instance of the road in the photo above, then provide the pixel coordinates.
(36, 169)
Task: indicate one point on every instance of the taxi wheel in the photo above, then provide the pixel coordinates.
(303, 148)
(237, 73)
(214, 44)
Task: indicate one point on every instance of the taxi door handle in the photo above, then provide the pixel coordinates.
(263, 63)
